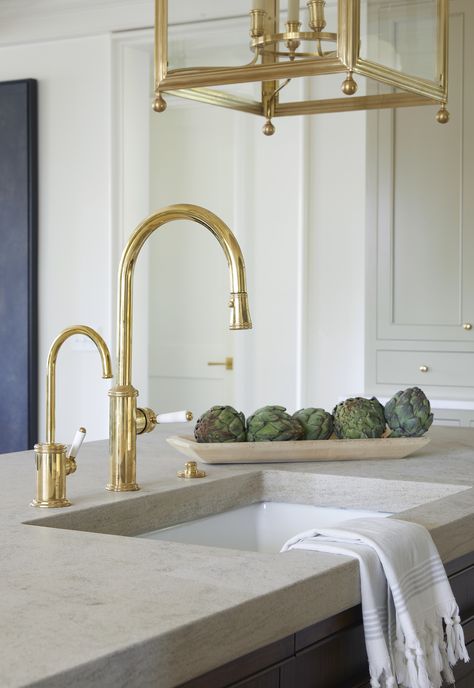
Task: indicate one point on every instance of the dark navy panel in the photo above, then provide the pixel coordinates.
(18, 265)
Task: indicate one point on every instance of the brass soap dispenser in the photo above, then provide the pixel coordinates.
(53, 461)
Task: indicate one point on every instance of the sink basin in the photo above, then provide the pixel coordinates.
(261, 527)
(257, 510)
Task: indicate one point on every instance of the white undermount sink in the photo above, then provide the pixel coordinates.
(255, 510)
(261, 527)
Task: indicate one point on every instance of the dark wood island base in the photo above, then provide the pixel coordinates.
(331, 653)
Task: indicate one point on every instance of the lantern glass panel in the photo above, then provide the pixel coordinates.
(225, 41)
(401, 35)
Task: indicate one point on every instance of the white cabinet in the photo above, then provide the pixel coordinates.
(420, 284)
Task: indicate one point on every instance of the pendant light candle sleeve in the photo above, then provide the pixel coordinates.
(258, 4)
(293, 11)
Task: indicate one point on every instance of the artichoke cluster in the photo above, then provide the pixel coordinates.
(407, 414)
(317, 423)
(221, 424)
(266, 424)
(273, 424)
(359, 418)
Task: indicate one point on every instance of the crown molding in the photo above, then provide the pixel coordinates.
(29, 21)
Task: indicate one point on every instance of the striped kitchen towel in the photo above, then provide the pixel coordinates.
(413, 633)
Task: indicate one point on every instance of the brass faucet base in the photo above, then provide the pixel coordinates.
(51, 503)
(125, 487)
(50, 459)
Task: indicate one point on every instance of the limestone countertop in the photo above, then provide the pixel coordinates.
(87, 609)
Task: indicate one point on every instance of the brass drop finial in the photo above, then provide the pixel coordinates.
(268, 128)
(159, 104)
(349, 86)
(442, 116)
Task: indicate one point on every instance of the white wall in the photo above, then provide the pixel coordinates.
(336, 256)
(308, 327)
(74, 215)
(299, 214)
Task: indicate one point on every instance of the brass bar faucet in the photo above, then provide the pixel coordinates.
(125, 419)
(52, 463)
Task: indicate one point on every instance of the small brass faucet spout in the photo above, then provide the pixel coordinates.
(52, 464)
(123, 407)
(51, 375)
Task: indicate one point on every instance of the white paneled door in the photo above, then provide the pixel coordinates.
(191, 349)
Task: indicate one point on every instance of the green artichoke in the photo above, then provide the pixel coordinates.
(317, 423)
(221, 424)
(272, 423)
(359, 418)
(408, 413)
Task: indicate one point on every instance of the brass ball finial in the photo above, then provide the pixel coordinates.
(349, 86)
(442, 116)
(159, 104)
(268, 128)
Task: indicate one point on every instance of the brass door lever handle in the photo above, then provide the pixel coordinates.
(228, 363)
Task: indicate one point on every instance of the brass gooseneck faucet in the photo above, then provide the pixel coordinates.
(52, 463)
(126, 420)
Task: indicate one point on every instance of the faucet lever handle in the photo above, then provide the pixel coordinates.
(147, 420)
(175, 417)
(76, 443)
(74, 450)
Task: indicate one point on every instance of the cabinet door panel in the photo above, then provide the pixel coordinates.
(341, 660)
(269, 679)
(425, 289)
(442, 368)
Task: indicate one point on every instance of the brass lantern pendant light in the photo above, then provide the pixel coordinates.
(400, 47)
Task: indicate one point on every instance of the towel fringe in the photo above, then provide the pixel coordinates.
(460, 648)
(447, 671)
(436, 654)
(400, 661)
(450, 641)
(421, 662)
(412, 671)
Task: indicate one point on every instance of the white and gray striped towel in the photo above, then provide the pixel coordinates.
(412, 628)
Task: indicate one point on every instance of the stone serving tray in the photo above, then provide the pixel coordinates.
(303, 450)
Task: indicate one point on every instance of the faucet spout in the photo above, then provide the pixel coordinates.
(52, 462)
(51, 374)
(239, 313)
(123, 396)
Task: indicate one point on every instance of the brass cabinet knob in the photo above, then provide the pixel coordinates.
(228, 363)
(424, 369)
(467, 326)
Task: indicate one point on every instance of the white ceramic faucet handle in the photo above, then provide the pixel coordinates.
(174, 417)
(76, 443)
